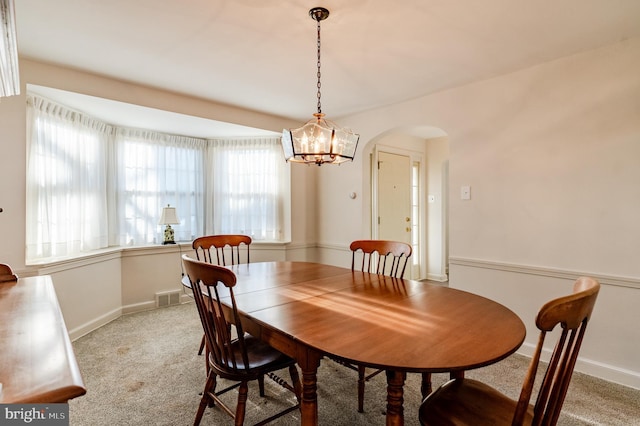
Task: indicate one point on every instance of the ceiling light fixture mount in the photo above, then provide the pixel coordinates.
(319, 13)
(319, 140)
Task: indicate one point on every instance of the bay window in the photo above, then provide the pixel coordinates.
(92, 185)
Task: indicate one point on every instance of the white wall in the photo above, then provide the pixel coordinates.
(551, 154)
(89, 291)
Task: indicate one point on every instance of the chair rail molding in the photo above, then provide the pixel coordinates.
(544, 271)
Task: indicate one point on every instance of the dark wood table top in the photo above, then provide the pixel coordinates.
(376, 320)
(37, 362)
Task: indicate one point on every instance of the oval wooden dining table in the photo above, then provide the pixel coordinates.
(309, 310)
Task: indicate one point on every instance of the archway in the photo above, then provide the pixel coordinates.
(428, 150)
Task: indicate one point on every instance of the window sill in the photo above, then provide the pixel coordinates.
(50, 265)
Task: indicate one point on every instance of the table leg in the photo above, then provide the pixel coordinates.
(309, 361)
(456, 374)
(395, 411)
(425, 386)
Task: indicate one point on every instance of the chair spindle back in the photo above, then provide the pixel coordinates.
(381, 257)
(223, 249)
(572, 312)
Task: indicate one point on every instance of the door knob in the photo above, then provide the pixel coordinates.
(407, 219)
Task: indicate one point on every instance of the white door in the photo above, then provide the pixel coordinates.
(394, 197)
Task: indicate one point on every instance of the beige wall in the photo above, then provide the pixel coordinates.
(12, 180)
(550, 152)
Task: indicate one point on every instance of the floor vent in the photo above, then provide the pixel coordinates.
(167, 298)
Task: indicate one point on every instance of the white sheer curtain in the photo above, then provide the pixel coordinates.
(153, 170)
(246, 184)
(9, 75)
(66, 181)
(91, 185)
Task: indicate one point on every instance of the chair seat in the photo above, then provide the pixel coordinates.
(469, 402)
(262, 358)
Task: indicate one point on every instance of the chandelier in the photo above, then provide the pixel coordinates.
(319, 141)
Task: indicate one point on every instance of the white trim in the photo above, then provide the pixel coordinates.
(94, 324)
(608, 372)
(57, 265)
(333, 247)
(78, 262)
(545, 271)
(139, 307)
(440, 278)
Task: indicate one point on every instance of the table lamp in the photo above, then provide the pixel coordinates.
(168, 218)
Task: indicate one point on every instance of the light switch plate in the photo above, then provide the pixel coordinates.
(465, 192)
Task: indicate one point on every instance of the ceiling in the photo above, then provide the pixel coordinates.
(261, 55)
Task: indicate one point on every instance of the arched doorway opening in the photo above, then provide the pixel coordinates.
(424, 150)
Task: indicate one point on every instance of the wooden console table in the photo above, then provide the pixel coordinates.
(37, 362)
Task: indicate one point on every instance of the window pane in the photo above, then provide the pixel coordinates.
(248, 182)
(156, 170)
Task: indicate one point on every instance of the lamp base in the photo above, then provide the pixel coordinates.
(168, 235)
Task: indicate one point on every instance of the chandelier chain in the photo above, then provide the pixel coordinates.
(319, 85)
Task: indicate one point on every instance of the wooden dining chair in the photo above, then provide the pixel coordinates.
(380, 257)
(466, 401)
(222, 250)
(6, 273)
(239, 359)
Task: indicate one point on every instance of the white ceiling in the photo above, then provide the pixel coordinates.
(261, 54)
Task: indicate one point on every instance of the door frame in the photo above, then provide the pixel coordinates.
(414, 157)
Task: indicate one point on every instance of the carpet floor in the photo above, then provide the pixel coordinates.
(143, 369)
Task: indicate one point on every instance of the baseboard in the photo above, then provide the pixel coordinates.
(151, 304)
(590, 367)
(138, 307)
(440, 278)
(90, 326)
(96, 323)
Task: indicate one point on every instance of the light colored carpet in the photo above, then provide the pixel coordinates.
(143, 369)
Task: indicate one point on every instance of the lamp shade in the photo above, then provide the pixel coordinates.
(169, 216)
(319, 141)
